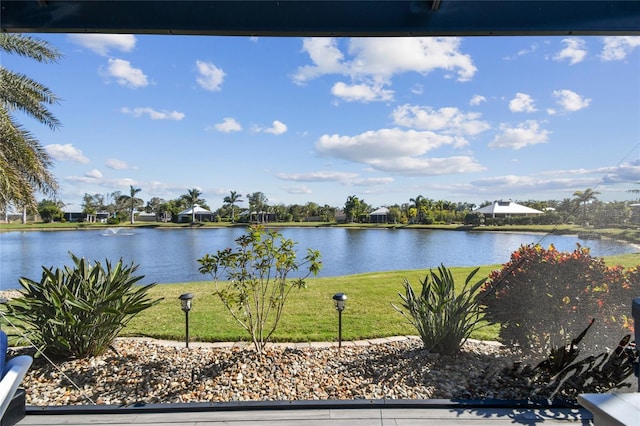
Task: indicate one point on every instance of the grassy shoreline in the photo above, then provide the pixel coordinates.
(309, 314)
(623, 234)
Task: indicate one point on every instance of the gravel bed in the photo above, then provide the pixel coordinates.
(141, 371)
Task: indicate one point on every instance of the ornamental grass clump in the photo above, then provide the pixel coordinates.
(443, 319)
(76, 312)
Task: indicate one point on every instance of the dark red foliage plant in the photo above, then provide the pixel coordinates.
(542, 297)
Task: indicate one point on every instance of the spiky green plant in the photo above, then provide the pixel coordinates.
(77, 311)
(443, 319)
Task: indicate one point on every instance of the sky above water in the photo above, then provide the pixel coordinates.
(468, 119)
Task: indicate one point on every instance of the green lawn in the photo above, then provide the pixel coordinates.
(309, 314)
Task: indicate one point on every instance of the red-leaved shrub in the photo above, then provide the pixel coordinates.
(543, 297)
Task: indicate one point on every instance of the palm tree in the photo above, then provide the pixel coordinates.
(24, 162)
(422, 205)
(132, 201)
(584, 197)
(232, 199)
(192, 197)
(258, 203)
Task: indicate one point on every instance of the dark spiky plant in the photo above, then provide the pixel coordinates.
(76, 312)
(444, 320)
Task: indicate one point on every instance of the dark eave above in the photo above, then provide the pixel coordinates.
(323, 18)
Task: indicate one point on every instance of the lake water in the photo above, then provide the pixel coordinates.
(170, 255)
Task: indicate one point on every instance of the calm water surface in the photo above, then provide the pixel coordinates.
(170, 255)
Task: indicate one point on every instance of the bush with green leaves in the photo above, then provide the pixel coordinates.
(542, 297)
(252, 280)
(76, 312)
(444, 320)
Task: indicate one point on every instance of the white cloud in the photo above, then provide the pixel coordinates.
(574, 51)
(477, 100)
(228, 125)
(319, 176)
(343, 178)
(94, 174)
(626, 173)
(380, 144)
(211, 77)
(429, 166)
(522, 103)
(361, 92)
(617, 48)
(570, 101)
(277, 128)
(125, 74)
(326, 57)
(527, 133)
(114, 163)
(532, 48)
(302, 189)
(512, 184)
(153, 114)
(371, 181)
(103, 43)
(447, 120)
(66, 152)
(384, 57)
(372, 62)
(397, 151)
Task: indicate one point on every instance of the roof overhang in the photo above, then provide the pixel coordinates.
(323, 17)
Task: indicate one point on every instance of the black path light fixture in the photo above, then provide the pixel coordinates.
(340, 300)
(185, 299)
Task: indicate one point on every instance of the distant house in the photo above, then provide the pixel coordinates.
(75, 216)
(201, 214)
(380, 215)
(507, 208)
(261, 217)
(146, 217)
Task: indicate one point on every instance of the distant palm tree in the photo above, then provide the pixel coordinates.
(583, 197)
(419, 202)
(192, 197)
(132, 201)
(232, 199)
(24, 162)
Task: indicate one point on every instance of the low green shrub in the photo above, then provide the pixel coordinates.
(77, 312)
(443, 319)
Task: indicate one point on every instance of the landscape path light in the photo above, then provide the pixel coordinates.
(185, 299)
(340, 300)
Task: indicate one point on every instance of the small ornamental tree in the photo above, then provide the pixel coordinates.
(253, 281)
(542, 297)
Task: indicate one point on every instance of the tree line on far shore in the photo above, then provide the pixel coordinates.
(582, 208)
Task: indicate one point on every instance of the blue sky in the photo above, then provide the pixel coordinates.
(320, 119)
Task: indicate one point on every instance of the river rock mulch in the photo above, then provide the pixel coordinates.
(140, 371)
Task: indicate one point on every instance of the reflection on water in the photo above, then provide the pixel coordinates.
(170, 255)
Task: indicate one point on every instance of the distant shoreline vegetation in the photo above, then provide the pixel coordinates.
(630, 235)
